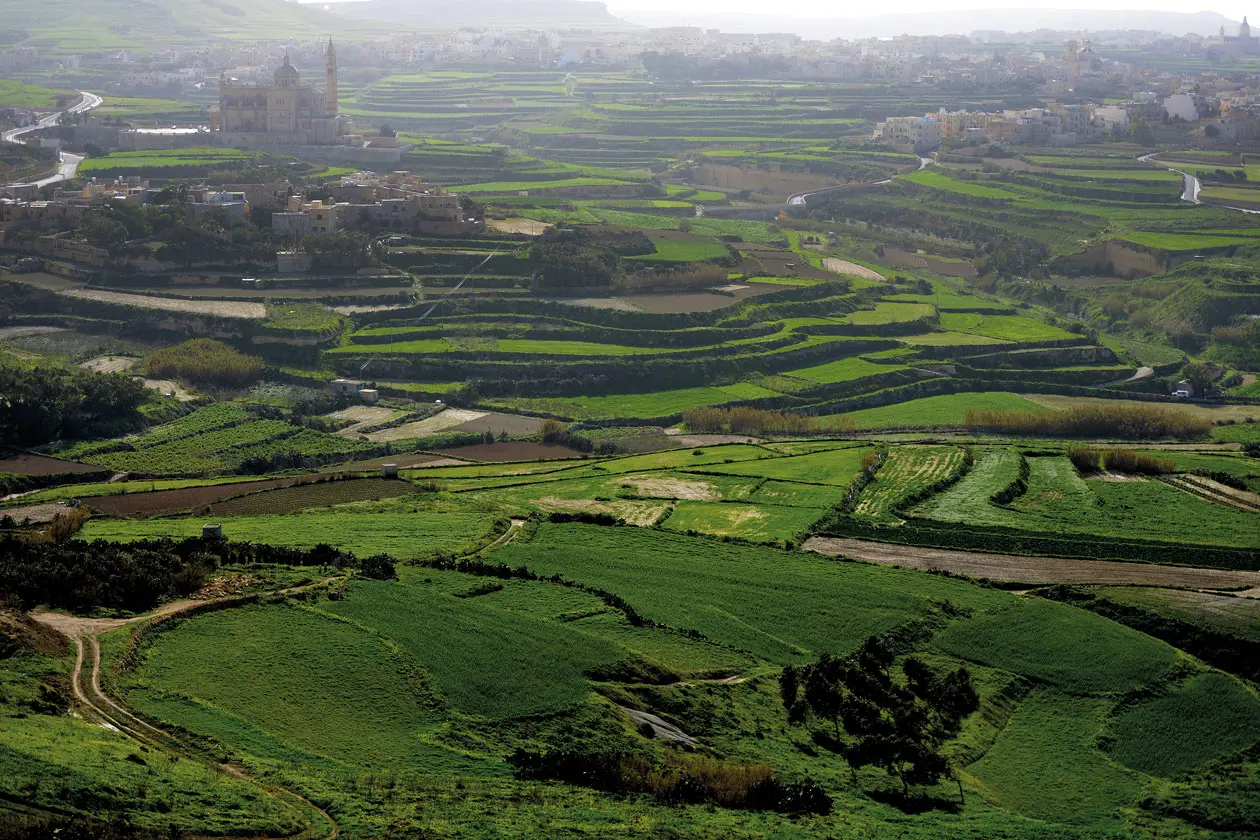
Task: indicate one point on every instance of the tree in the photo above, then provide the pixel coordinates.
(387, 130)
(1200, 376)
(1211, 131)
(1141, 132)
(551, 431)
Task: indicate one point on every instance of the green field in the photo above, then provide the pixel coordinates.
(658, 404)
(779, 606)
(628, 608)
(1045, 763)
(415, 533)
(15, 94)
(759, 523)
(128, 162)
(685, 249)
(935, 180)
(1058, 646)
(1060, 501)
(1208, 717)
(1005, 327)
(949, 410)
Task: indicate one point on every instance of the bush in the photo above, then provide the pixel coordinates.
(204, 360)
(1116, 421)
(378, 567)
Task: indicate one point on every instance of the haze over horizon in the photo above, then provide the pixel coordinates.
(1234, 9)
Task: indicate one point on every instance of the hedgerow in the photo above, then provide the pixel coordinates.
(1105, 421)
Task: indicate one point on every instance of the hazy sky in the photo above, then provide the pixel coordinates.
(850, 9)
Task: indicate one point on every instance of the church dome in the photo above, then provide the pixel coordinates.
(287, 75)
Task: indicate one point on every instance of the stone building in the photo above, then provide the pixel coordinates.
(285, 113)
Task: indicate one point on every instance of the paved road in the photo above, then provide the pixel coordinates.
(1191, 191)
(69, 164)
(801, 199)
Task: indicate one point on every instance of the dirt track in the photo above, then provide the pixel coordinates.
(1034, 570)
(97, 706)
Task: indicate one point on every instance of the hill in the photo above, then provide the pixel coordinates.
(942, 22)
(533, 14)
(69, 26)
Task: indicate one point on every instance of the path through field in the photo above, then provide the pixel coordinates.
(1011, 568)
(96, 706)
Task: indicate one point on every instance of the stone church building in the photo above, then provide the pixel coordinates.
(285, 113)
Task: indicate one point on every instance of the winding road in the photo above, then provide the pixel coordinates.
(802, 199)
(1193, 187)
(68, 164)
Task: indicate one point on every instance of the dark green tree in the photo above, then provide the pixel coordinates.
(899, 725)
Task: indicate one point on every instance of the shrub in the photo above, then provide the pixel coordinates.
(1084, 459)
(205, 360)
(1135, 463)
(378, 567)
(1117, 421)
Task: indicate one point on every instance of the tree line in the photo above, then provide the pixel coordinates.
(1094, 421)
(83, 576)
(44, 403)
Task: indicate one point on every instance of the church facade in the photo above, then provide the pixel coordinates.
(285, 113)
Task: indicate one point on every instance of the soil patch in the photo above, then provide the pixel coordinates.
(673, 488)
(354, 310)
(110, 364)
(167, 386)
(836, 266)
(528, 227)
(28, 464)
(445, 421)
(1034, 570)
(307, 496)
(185, 498)
(680, 302)
(642, 514)
(1115, 476)
(677, 438)
(403, 462)
(36, 514)
(18, 332)
(600, 303)
(363, 417)
(512, 451)
(513, 424)
(217, 308)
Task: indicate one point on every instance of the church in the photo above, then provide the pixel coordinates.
(285, 113)
(1234, 47)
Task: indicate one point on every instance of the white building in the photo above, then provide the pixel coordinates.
(1181, 106)
(1113, 118)
(923, 134)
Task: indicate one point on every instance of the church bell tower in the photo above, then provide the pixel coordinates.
(330, 81)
